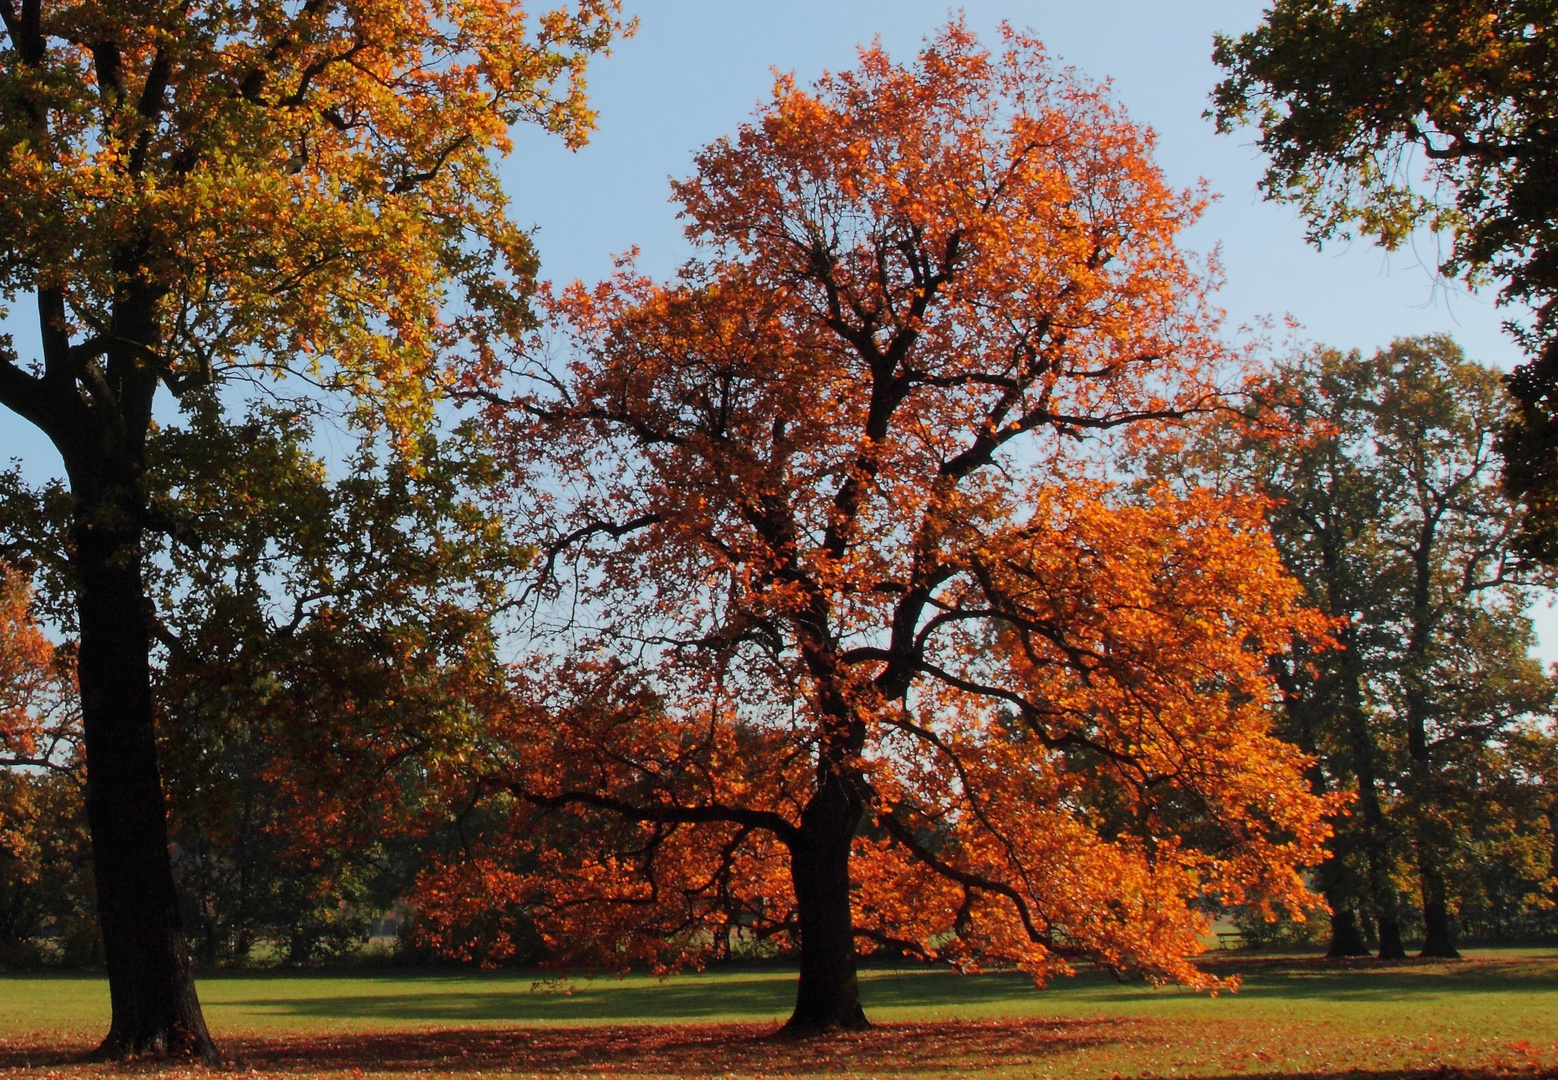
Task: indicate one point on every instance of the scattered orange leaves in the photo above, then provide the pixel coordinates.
(1080, 1048)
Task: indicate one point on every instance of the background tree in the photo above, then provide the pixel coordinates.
(45, 880)
(1325, 518)
(318, 640)
(880, 655)
(321, 637)
(1386, 507)
(244, 189)
(1384, 116)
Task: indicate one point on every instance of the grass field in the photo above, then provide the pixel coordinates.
(1495, 1014)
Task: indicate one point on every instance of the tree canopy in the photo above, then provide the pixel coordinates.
(1386, 116)
(866, 645)
(1385, 505)
(244, 192)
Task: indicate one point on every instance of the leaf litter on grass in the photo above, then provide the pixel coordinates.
(1070, 1048)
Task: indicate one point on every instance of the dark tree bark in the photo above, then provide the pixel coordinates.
(1437, 939)
(1346, 934)
(828, 995)
(1552, 858)
(1300, 702)
(101, 435)
(1438, 934)
(151, 988)
(1382, 891)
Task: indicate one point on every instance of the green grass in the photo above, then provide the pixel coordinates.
(1302, 1016)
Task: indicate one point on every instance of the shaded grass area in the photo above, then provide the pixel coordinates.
(1494, 1015)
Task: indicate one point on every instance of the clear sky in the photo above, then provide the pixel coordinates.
(697, 68)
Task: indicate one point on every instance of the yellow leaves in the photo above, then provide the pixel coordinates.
(317, 174)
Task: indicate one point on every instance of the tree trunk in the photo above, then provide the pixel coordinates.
(827, 997)
(1391, 947)
(151, 987)
(1346, 935)
(1382, 891)
(1438, 939)
(1552, 858)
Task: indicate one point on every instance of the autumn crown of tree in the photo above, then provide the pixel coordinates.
(851, 606)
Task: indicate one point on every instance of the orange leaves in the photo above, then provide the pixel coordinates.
(835, 506)
(1109, 752)
(35, 682)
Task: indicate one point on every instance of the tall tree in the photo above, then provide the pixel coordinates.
(1326, 518)
(244, 190)
(1383, 116)
(882, 655)
(1463, 675)
(1386, 506)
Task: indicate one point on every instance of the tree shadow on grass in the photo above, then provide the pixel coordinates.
(721, 1050)
(521, 1002)
(692, 1050)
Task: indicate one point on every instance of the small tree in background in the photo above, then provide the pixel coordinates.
(864, 648)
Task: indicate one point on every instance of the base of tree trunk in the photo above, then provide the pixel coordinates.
(1438, 942)
(1390, 946)
(1346, 936)
(808, 1027)
(175, 1044)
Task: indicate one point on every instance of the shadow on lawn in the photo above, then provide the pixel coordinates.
(664, 1049)
(519, 1001)
(771, 994)
(692, 1051)
(715, 1050)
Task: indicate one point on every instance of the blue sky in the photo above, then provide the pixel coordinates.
(697, 68)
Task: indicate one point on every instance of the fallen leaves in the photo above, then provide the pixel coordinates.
(1071, 1048)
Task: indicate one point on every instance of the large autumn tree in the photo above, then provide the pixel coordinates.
(250, 191)
(1381, 117)
(865, 646)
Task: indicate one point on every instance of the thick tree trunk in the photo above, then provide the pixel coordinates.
(1438, 939)
(827, 997)
(151, 987)
(1552, 858)
(1346, 934)
(1382, 891)
(1438, 936)
(1391, 946)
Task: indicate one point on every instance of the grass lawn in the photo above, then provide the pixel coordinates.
(1495, 1014)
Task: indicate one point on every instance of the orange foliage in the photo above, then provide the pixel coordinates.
(850, 564)
(37, 691)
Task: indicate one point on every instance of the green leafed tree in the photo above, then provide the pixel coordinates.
(234, 191)
(1381, 117)
(1385, 504)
